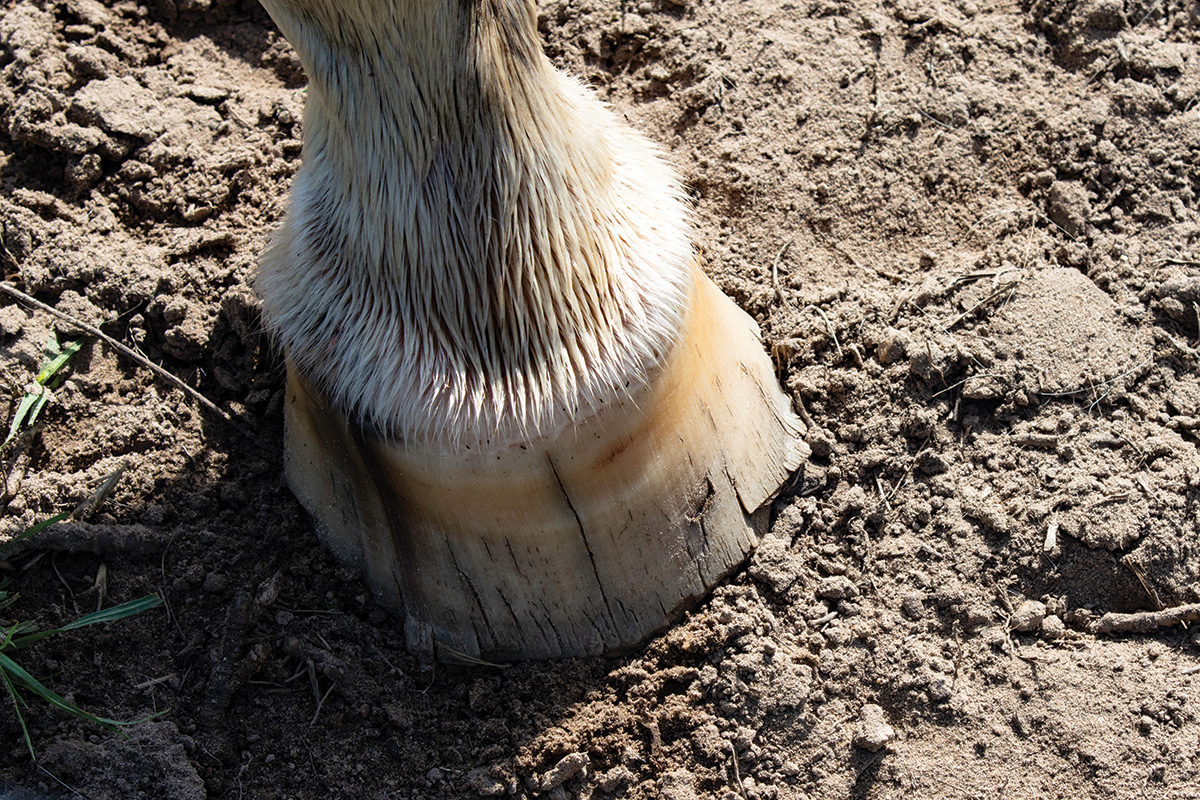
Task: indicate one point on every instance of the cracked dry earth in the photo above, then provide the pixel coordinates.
(969, 230)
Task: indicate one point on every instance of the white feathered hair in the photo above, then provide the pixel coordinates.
(477, 250)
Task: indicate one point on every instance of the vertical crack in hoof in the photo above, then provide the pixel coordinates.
(470, 585)
(587, 546)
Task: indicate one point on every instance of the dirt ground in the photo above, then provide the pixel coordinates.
(969, 229)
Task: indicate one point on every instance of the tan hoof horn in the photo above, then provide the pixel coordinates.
(513, 397)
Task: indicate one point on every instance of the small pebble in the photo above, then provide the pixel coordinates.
(978, 615)
(1028, 616)
(484, 783)
(615, 778)
(207, 94)
(836, 587)
(893, 347)
(568, 767)
(941, 687)
(872, 732)
(913, 606)
(216, 583)
(1053, 627)
(821, 442)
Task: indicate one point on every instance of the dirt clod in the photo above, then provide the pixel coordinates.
(1029, 616)
(872, 732)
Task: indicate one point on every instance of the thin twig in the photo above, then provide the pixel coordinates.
(986, 217)
(60, 782)
(466, 657)
(832, 332)
(1094, 386)
(97, 498)
(737, 773)
(775, 271)
(1147, 621)
(802, 412)
(1008, 287)
(150, 684)
(882, 494)
(849, 256)
(91, 330)
(1140, 573)
(934, 119)
(1191, 351)
(956, 384)
(908, 472)
(320, 702)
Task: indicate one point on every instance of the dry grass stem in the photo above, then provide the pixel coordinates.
(1008, 288)
(92, 330)
(90, 505)
(775, 272)
(832, 332)
(1147, 621)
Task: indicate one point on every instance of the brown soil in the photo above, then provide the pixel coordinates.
(969, 229)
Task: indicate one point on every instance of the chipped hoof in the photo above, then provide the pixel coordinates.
(513, 397)
(579, 543)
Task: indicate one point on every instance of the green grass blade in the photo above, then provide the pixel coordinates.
(8, 636)
(33, 529)
(105, 615)
(16, 701)
(51, 348)
(35, 398)
(18, 629)
(13, 670)
(22, 412)
(56, 361)
(39, 402)
(117, 612)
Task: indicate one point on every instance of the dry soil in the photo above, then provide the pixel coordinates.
(969, 229)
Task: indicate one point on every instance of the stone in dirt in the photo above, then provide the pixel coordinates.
(1028, 616)
(872, 731)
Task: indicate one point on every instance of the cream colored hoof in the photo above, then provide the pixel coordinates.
(577, 543)
(514, 399)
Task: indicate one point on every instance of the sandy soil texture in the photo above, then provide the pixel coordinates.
(969, 230)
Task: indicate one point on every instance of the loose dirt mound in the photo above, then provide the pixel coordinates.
(969, 231)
